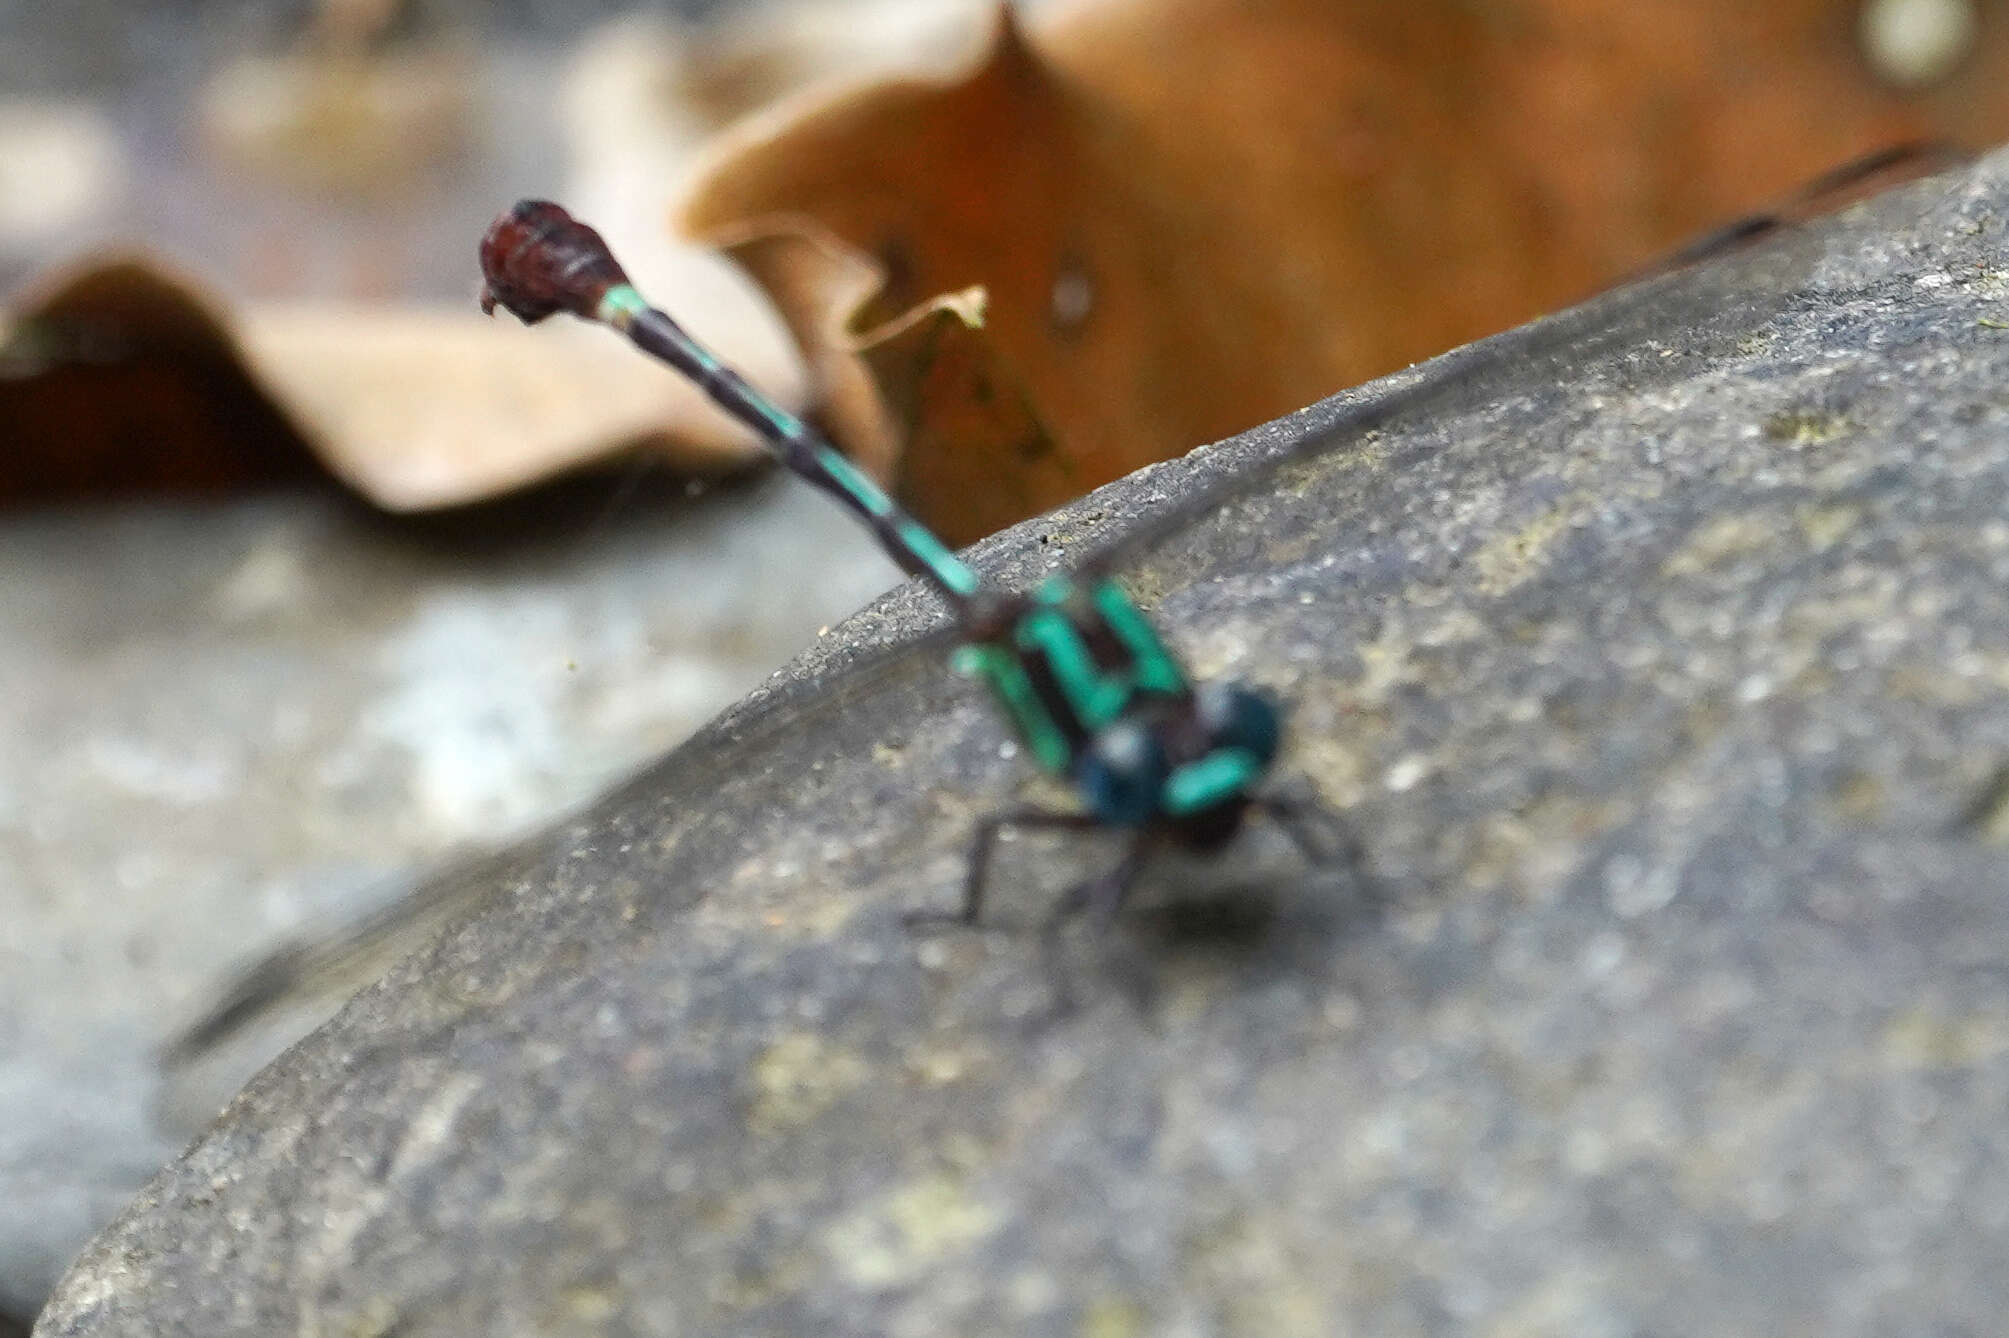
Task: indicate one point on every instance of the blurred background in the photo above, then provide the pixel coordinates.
(239, 702)
(341, 148)
(312, 580)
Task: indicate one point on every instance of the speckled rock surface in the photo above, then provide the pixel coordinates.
(1664, 671)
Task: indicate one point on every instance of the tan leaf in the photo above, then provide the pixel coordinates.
(419, 409)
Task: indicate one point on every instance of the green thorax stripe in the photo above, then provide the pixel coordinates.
(1094, 697)
(1155, 669)
(1087, 696)
(1014, 691)
(1095, 694)
(1225, 773)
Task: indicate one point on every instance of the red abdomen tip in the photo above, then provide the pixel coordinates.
(537, 259)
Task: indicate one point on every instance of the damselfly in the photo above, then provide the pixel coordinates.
(1125, 776)
(1085, 681)
(1092, 691)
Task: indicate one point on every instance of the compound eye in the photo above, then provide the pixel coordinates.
(1122, 774)
(1238, 717)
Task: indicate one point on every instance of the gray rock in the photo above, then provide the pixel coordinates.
(1663, 669)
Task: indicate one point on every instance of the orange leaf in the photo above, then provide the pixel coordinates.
(1192, 215)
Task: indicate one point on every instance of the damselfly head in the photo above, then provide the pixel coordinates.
(1222, 743)
(1192, 764)
(1233, 716)
(537, 259)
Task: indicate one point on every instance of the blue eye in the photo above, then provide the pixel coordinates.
(1122, 773)
(1238, 717)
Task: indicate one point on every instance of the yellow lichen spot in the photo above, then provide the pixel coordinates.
(1112, 1317)
(1715, 543)
(1509, 560)
(1386, 662)
(906, 1232)
(1826, 525)
(1923, 1040)
(377, 1318)
(1806, 427)
(1454, 627)
(939, 1065)
(1858, 796)
(590, 1302)
(798, 1078)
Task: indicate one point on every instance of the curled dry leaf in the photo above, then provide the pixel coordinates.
(115, 377)
(927, 380)
(118, 376)
(1192, 215)
(976, 448)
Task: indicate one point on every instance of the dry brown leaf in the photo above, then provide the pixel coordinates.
(976, 449)
(1193, 215)
(118, 375)
(927, 378)
(115, 377)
